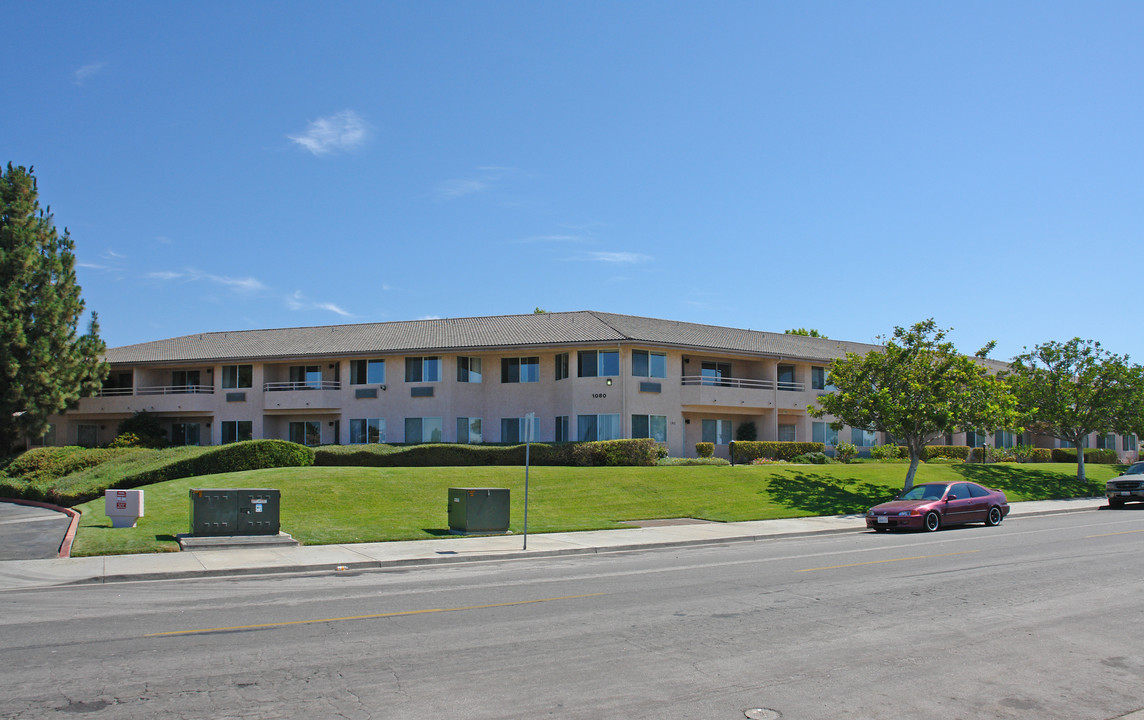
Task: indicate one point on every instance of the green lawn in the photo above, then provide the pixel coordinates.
(323, 505)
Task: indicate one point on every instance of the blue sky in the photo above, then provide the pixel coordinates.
(841, 166)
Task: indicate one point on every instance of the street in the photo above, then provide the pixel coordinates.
(1037, 618)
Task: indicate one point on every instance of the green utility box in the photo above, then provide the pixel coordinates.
(478, 510)
(232, 511)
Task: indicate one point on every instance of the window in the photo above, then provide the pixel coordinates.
(818, 378)
(118, 384)
(590, 428)
(786, 433)
(1106, 442)
(423, 430)
(823, 433)
(786, 378)
(562, 429)
(1004, 439)
(86, 435)
(367, 430)
(649, 364)
(717, 431)
(598, 363)
(512, 430)
(863, 438)
(650, 426)
(237, 376)
(1128, 442)
(306, 377)
(48, 438)
(469, 370)
(186, 379)
(469, 431)
(367, 372)
(561, 366)
(307, 432)
(715, 373)
(184, 433)
(520, 370)
(237, 430)
(422, 369)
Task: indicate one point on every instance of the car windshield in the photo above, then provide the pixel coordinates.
(924, 492)
(1137, 469)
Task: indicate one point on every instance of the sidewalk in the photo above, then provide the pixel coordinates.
(21, 574)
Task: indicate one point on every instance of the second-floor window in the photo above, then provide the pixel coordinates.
(469, 369)
(520, 370)
(422, 369)
(598, 363)
(367, 372)
(237, 376)
(561, 366)
(649, 364)
(306, 376)
(818, 378)
(786, 377)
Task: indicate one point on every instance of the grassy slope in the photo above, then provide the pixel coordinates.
(323, 505)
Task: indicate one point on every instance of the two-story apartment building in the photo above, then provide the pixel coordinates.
(584, 376)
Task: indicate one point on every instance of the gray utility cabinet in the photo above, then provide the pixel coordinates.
(232, 511)
(478, 510)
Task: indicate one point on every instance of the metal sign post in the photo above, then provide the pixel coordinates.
(528, 420)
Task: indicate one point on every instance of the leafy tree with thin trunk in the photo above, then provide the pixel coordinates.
(917, 388)
(45, 366)
(1072, 389)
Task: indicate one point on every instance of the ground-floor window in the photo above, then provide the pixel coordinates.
(469, 430)
(1004, 439)
(423, 430)
(367, 430)
(863, 438)
(85, 435)
(513, 429)
(306, 432)
(1106, 442)
(787, 432)
(650, 426)
(185, 434)
(1128, 443)
(237, 430)
(562, 429)
(823, 433)
(717, 431)
(590, 428)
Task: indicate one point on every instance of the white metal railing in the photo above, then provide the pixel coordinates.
(302, 385)
(173, 390)
(747, 383)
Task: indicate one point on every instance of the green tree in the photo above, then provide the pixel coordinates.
(917, 387)
(1069, 390)
(45, 366)
(803, 331)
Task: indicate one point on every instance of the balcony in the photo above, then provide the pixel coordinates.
(302, 395)
(153, 398)
(302, 385)
(158, 390)
(737, 394)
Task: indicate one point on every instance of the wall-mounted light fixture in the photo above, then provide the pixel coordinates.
(609, 381)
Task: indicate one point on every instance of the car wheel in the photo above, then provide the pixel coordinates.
(880, 529)
(933, 522)
(994, 516)
(1114, 503)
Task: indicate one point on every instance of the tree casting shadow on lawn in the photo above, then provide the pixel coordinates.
(1028, 481)
(828, 496)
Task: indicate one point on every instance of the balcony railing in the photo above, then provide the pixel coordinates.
(302, 385)
(158, 390)
(746, 383)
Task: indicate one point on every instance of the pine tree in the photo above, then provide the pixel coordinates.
(45, 366)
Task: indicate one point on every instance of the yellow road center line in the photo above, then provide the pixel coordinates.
(367, 617)
(877, 562)
(1125, 532)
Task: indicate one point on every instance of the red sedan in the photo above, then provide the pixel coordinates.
(932, 505)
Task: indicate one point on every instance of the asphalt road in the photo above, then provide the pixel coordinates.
(1037, 618)
(30, 533)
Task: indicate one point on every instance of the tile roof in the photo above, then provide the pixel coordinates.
(475, 334)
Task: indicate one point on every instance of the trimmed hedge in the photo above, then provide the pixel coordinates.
(747, 451)
(1091, 455)
(952, 452)
(640, 452)
(42, 465)
(705, 449)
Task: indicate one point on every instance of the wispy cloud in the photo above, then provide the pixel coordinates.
(340, 132)
(551, 239)
(484, 178)
(619, 258)
(298, 301)
(239, 284)
(80, 76)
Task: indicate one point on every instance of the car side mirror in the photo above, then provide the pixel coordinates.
(950, 497)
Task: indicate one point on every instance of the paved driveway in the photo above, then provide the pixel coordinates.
(29, 533)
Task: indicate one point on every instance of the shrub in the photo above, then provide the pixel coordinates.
(953, 452)
(1041, 455)
(845, 452)
(1091, 455)
(812, 458)
(676, 462)
(233, 457)
(706, 449)
(746, 451)
(41, 465)
(146, 429)
(885, 452)
(638, 452)
(746, 431)
(1023, 453)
